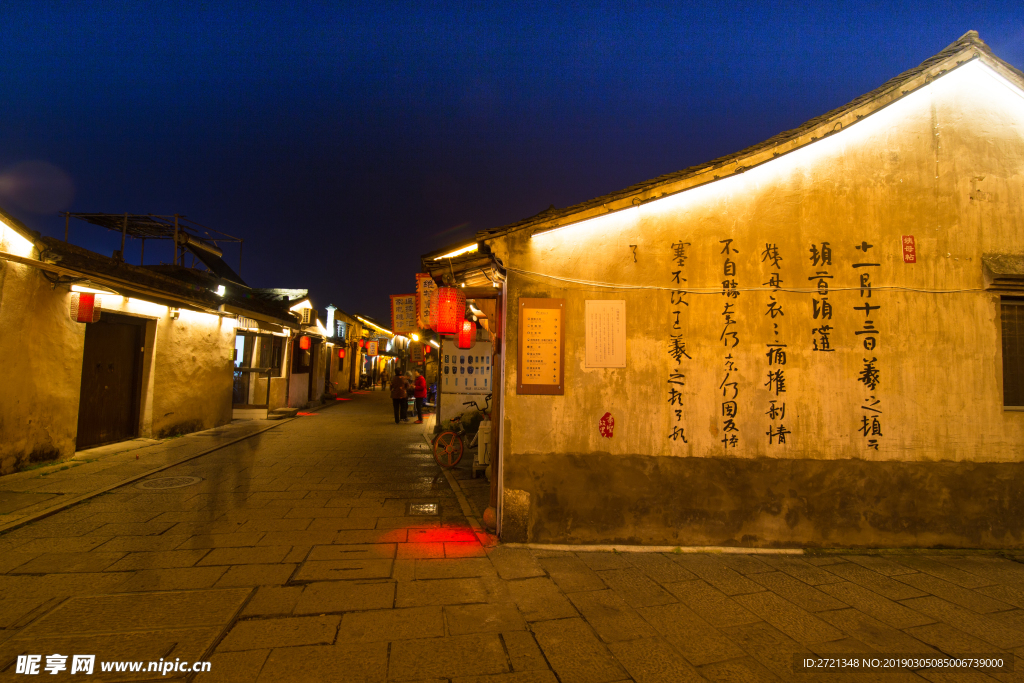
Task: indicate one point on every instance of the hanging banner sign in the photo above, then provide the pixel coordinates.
(371, 348)
(403, 313)
(426, 301)
(416, 353)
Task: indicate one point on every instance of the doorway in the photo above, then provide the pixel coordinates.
(108, 408)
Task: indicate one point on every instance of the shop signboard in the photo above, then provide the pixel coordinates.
(403, 313)
(426, 289)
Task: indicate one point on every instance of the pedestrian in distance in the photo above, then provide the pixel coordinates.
(419, 392)
(400, 397)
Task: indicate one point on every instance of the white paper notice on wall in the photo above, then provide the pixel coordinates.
(606, 334)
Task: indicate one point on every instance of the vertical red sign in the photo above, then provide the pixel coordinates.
(909, 249)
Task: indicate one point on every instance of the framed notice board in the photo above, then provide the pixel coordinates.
(541, 352)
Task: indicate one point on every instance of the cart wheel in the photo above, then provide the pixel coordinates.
(448, 449)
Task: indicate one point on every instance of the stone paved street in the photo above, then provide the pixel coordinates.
(298, 557)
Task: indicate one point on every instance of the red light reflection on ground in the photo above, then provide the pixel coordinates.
(443, 535)
(342, 399)
(307, 414)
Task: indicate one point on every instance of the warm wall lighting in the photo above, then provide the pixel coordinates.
(415, 337)
(14, 242)
(459, 252)
(375, 326)
(90, 290)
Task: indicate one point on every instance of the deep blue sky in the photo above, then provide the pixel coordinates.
(342, 142)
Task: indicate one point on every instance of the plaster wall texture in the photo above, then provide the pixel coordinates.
(945, 165)
(298, 390)
(41, 350)
(192, 373)
(278, 392)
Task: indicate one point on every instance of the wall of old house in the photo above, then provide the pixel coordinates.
(41, 352)
(186, 377)
(192, 372)
(944, 165)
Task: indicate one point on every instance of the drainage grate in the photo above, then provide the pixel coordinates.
(167, 483)
(423, 508)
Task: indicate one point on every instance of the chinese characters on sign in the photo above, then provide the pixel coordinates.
(371, 348)
(909, 249)
(821, 309)
(730, 339)
(776, 351)
(403, 313)
(870, 425)
(426, 299)
(606, 334)
(677, 345)
(541, 346)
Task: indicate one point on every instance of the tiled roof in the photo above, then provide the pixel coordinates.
(967, 47)
(175, 283)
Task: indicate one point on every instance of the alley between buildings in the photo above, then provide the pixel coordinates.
(299, 554)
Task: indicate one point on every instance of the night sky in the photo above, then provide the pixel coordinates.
(341, 142)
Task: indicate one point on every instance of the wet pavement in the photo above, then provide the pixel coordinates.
(311, 552)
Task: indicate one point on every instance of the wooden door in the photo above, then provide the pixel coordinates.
(108, 408)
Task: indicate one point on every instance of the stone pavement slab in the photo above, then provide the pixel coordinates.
(575, 652)
(295, 558)
(24, 495)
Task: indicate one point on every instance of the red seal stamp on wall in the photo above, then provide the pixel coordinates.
(607, 426)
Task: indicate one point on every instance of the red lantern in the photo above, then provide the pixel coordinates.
(341, 353)
(466, 335)
(304, 343)
(451, 310)
(85, 307)
(362, 343)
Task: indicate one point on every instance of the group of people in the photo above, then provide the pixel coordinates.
(401, 386)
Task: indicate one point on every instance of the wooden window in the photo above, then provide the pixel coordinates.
(1012, 315)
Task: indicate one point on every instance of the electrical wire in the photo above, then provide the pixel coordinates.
(719, 290)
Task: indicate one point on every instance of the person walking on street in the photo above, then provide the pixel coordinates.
(419, 392)
(400, 397)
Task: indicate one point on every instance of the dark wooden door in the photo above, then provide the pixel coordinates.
(108, 409)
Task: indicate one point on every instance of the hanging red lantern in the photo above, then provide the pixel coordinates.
(85, 307)
(305, 343)
(341, 353)
(362, 343)
(467, 335)
(451, 310)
